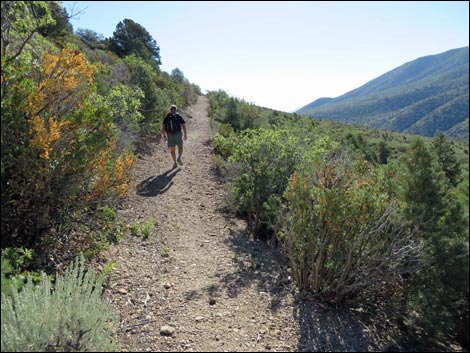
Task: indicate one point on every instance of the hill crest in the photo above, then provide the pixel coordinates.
(424, 96)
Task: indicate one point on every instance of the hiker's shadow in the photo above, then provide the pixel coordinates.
(157, 185)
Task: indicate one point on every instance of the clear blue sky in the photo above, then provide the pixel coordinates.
(284, 55)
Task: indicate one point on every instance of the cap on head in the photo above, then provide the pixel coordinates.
(173, 107)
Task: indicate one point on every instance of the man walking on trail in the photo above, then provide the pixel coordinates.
(171, 130)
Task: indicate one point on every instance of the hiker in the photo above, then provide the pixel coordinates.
(171, 130)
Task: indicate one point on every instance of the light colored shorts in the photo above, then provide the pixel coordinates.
(175, 139)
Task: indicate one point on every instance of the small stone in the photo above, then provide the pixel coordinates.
(122, 290)
(212, 301)
(167, 330)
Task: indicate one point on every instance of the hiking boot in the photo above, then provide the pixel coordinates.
(175, 166)
(180, 162)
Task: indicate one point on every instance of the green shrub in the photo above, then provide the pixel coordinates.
(225, 130)
(440, 290)
(70, 316)
(147, 228)
(135, 228)
(341, 230)
(262, 161)
(6, 271)
(15, 262)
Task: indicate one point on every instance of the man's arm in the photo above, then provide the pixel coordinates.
(164, 129)
(183, 125)
(164, 132)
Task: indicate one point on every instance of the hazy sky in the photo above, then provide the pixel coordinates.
(284, 55)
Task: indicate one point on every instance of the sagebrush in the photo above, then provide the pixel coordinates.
(69, 315)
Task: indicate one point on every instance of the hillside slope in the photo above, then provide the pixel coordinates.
(424, 96)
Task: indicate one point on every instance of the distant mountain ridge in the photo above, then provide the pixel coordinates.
(424, 96)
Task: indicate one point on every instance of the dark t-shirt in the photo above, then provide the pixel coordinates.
(173, 122)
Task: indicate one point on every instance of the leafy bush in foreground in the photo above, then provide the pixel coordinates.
(69, 316)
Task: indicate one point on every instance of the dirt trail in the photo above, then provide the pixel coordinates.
(202, 275)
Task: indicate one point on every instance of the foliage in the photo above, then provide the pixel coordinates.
(31, 130)
(124, 103)
(103, 229)
(131, 38)
(67, 316)
(341, 229)
(233, 112)
(59, 140)
(384, 153)
(20, 21)
(6, 272)
(144, 229)
(18, 257)
(423, 187)
(91, 38)
(358, 144)
(106, 271)
(147, 228)
(380, 215)
(178, 75)
(15, 262)
(155, 102)
(218, 104)
(65, 149)
(447, 159)
(61, 29)
(440, 289)
(462, 193)
(263, 161)
(134, 228)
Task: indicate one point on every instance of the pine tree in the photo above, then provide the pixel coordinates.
(447, 159)
(384, 153)
(131, 38)
(423, 188)
(440, 288)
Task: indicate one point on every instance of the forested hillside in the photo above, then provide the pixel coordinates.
(425, 96)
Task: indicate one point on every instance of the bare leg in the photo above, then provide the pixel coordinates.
(180, 152)
(173, 154)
